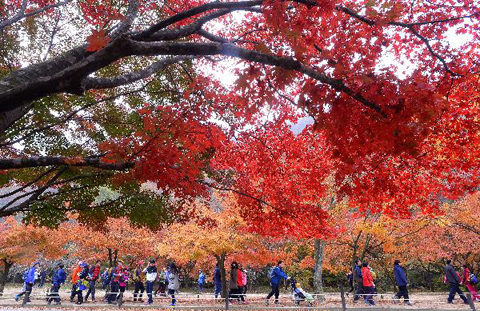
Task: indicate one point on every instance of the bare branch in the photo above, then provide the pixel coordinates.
(128, 21)
(21, 14)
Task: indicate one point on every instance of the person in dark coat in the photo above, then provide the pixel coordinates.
(93, 276)
(233, 281)
(59, 278)
(402, 282)
(452, 277)
(358, 280)
(217, 280)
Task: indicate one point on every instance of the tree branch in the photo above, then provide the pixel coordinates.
(17, 163)
(195, 11)
(104, 83)
(21, 14)
(411, 28)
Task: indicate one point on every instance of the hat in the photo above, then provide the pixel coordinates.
(152, 261)
(397, 262)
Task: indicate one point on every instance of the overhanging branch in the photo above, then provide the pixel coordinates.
(18, 163)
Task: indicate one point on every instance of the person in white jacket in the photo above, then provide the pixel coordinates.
(151, 275)
(173, 282)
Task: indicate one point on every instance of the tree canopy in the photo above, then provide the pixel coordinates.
(113, 95)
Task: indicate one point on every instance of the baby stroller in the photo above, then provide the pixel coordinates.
(299, 294)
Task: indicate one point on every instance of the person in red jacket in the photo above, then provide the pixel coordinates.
(368, 285)
(93, 275)
(240, 284)
(468, 284)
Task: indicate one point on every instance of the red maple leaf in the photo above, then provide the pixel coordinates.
(97, 40)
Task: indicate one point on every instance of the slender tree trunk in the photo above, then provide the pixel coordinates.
(317, 276)
(115, 259)
(366, 246)
(3, 279)
(110, 257)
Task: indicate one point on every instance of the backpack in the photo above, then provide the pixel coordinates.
(271, 273)
(473, 278)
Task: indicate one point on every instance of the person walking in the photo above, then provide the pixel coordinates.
(42, 276)
(402, 282)
(233, 285)
(358, 279)
(75, 277)
(82, 283)
(138, 277)
(93, 276)
(123, 282)
(217, 280)
(467, 280)
(59, 278)
(201, 281)
(29, 281)
(368, 285)
(276, 275)
(452, 277)
(116, 274)
(173, 282)
(151, 276)
(161, 283)
(165, 271)
(240, 296)
(244, 283)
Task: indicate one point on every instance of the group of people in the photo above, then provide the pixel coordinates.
(238, 284)
(115, 280)
(363, 279)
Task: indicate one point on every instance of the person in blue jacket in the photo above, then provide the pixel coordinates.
(276, 276)
(402, 282)
(217, 280)
(58, 280)
(201, 281)
(29, 281)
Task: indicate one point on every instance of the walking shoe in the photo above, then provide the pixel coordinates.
(17, 298)
(408, 303)
(172, 305)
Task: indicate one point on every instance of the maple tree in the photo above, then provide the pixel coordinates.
(218, 237)
(117, 239)
(133, 99)
(21, 244)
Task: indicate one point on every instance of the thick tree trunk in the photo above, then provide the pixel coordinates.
(3, 278)
(317, 276)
